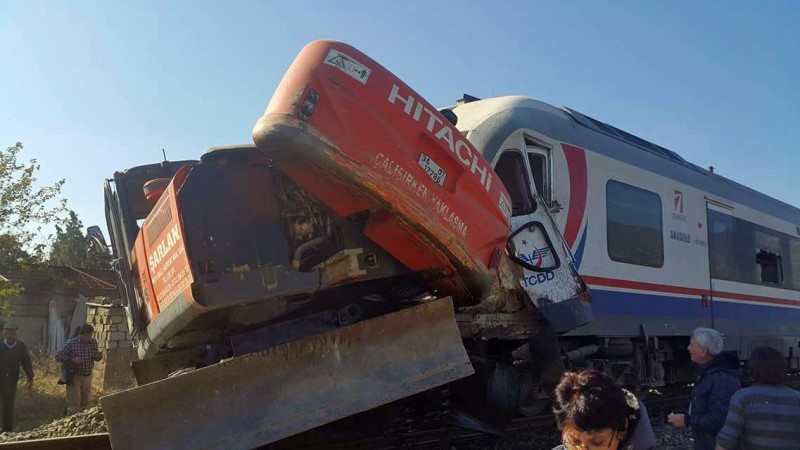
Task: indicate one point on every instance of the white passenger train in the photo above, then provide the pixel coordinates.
(665, 245)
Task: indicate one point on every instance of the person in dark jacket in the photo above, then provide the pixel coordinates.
(13, 354)
(592, 412)
(718, 378)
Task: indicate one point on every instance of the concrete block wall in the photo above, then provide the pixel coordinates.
(114, 372)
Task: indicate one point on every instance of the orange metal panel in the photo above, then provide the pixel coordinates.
(354, 135)
(164, 264)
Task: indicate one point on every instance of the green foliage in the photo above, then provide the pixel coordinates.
(25, 209)
(72, 247)
(8, 289)
(12, 252)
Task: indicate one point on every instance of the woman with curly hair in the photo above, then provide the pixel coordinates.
(593, 413)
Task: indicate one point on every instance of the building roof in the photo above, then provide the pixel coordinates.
(66, 279)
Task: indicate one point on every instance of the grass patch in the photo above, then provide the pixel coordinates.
(46, 400)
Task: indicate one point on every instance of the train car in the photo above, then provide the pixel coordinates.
(665, 245)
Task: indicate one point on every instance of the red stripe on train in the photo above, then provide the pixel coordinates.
(626, 284)
(576, 166)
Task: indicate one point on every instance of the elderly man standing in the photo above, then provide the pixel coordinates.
(80, 352)
(718, 379)
(13, 354)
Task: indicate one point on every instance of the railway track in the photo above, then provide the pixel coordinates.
(416, 439)
(87, 442)
(452, 434)
(423, 438)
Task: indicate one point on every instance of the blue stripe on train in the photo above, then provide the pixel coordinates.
(579, 251)
(647, 304)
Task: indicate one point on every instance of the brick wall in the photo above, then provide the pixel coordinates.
(114, 372)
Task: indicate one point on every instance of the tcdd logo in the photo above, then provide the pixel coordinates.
(538, 278)
(536, 257)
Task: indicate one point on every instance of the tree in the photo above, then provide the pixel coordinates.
(24, 210)
(71, 246)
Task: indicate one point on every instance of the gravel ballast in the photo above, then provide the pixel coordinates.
(90, 421)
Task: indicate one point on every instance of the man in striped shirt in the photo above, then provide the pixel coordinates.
(765, 415)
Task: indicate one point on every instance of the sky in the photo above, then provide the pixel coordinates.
(94, 87)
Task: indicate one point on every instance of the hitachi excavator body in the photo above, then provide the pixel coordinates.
(359, 139)
(277, 287)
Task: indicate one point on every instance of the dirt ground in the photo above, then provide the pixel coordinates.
(42, 409)
(46, 400)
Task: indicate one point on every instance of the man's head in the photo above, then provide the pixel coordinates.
(85, 333)
(706, 343)
(10, 332)
(767, 365)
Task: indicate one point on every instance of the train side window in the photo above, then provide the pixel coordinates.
(721, 246)
(512, 172)
(794, 262)
(736, 244)
(771, 265)
(539, 160)
(634, 225)
(538, 164)
(768, 257)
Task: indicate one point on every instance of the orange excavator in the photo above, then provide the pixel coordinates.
(359, 252)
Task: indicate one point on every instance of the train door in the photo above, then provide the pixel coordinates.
(535, 242)
(721, 247)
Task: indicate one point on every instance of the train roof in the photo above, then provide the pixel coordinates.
(487, 123)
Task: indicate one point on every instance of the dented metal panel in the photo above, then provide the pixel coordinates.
(536, 245)
(519, 325)
(269, 395)
(361, 144)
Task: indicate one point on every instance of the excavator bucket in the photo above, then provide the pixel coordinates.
(263, 397)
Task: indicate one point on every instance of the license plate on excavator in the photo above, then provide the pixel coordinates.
(267, 396)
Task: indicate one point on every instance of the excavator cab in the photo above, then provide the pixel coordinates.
(126, 208)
